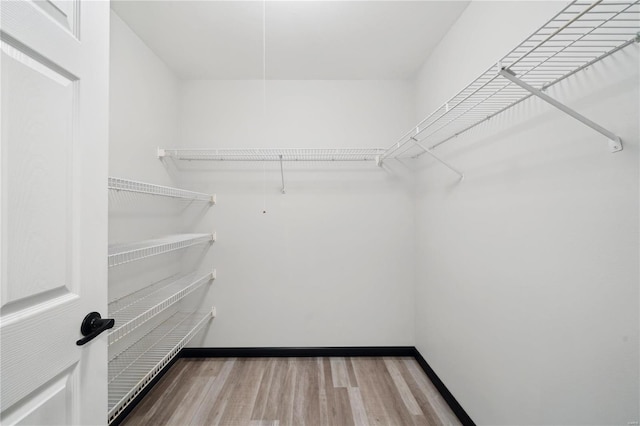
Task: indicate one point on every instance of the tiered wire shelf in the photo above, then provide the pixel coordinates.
(131, 252)
(119, 184)
(135, 309)
(289, 154)
(580, 35)
(131, 370)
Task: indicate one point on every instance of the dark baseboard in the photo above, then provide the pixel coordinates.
(346, 351)
(446, 395)
(129, 408)
(298, 352)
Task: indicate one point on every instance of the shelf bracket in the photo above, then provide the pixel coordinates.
(615, 143)
(282, 174)
(440, 160)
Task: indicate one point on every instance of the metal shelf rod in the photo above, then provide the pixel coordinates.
(131, 370)
(615, 142)
(569, 22)
(119, 184)
(125, 253)
(528, 96)
(133, 311)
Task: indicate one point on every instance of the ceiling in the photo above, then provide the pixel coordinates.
(305, 40)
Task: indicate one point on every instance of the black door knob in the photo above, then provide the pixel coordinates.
(92, 325)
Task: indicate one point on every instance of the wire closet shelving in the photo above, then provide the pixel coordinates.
(135, 309)
(119, 184)
(580, 35)
(288, 154)
(130, 252)
(131, 370)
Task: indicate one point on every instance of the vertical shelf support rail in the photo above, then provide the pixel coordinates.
(282, 174)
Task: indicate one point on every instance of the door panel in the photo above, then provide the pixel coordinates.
(53, 405)
(38, 126)
(64, 12)
(53, 401)
(32, 357)
(53, 209)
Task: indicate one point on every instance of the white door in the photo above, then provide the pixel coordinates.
(53, 210)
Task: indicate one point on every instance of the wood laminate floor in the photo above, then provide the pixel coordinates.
(293, 391)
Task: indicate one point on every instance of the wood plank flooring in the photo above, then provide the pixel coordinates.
(293, 391)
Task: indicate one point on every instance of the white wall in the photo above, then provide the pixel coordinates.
(527, 285)
(143, 112)
(143, 116)
(331, 262)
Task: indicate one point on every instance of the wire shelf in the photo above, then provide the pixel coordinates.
(308, 154)
(133, 310)
(119, 184)
(130, 252)
(133, 369)
(577, 37)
